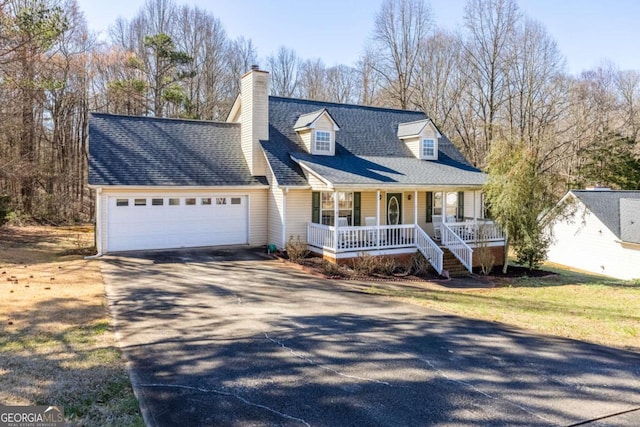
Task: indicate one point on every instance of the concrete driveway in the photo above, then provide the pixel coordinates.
(226, 337)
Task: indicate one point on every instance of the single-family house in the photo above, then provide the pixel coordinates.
(347, 179)
(601, 234)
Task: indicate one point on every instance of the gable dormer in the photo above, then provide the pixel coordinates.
(318, 132)
(421, 137)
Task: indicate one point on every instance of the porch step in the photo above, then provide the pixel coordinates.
(451, 264)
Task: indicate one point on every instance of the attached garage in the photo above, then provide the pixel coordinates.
(174, 221)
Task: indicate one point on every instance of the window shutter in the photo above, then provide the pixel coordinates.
(315, 207)
(429, 206)
(356, 209)
(460, 204)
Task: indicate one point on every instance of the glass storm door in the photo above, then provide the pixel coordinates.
(394, 208)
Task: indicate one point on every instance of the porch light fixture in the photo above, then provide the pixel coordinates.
(409, 197)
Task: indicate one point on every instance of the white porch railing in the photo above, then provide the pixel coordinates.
(368, 238)
(457, 246)
(429, 249)
(477, 231)
(353, 239)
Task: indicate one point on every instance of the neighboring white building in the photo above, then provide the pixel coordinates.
(602, 235)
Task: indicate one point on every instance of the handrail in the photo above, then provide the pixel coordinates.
(429, 249)
(457, 246)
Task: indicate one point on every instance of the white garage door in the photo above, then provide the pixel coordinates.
(135, 223)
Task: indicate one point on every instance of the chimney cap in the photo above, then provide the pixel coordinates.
(255, 67)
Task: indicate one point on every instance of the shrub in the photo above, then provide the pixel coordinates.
(418, 264)
(331, 269)
(484, 254)
(297, 250)
(386, 265)
(364, 264)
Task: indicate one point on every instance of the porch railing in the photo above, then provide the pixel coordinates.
(429, 249)
(357, 239)
(477, 231)
(457, 246)
(350, 239)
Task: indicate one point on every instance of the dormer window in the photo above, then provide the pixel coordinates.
(323, 141)
(421, 137)
(428, 148)
(318, 132)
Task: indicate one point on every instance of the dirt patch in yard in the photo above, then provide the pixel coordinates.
(57, 346)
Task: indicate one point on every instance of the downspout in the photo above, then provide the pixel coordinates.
(98, 225)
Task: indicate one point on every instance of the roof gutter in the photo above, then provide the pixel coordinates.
(178, 187)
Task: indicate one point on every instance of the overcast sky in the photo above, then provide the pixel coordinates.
(587, 31)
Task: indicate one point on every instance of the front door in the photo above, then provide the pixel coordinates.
(394, 208)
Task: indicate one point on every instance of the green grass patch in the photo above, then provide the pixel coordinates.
(568, 304)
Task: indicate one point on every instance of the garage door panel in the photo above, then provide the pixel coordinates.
(167, 226)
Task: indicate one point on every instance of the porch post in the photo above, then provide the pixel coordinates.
(377, 218)
(335, 222)
(415, 215)
(443, 206)
(415, 207)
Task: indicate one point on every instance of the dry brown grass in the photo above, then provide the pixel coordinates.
(56, 343)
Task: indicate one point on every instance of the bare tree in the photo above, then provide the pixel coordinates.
(400, 28)
(342, 84)
(627, 84)
(489, 29)
(312, 80)
(284, 66)
(439, 83)
(241, 55)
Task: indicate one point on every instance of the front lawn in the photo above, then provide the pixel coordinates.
(567, 304)
(57, 346)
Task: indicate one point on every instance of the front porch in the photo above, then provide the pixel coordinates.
(459, 237)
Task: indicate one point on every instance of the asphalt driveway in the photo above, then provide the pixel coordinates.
(226, 337)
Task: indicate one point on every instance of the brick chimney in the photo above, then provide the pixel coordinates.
(254, 118)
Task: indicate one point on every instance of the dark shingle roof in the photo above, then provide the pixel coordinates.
(146, 151)
(368, 150)
(605, 205)
(630, 220)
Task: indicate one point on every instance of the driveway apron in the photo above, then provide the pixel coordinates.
(226, 337)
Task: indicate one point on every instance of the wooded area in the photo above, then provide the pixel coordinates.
(500, 78)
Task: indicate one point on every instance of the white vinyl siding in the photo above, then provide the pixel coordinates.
(584, 242)
(276, 217)
(298, 213)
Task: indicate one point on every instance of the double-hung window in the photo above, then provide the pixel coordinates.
(345, 208)
(323, 142)
(428, 148)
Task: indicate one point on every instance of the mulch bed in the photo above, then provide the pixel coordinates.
(318, 267)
